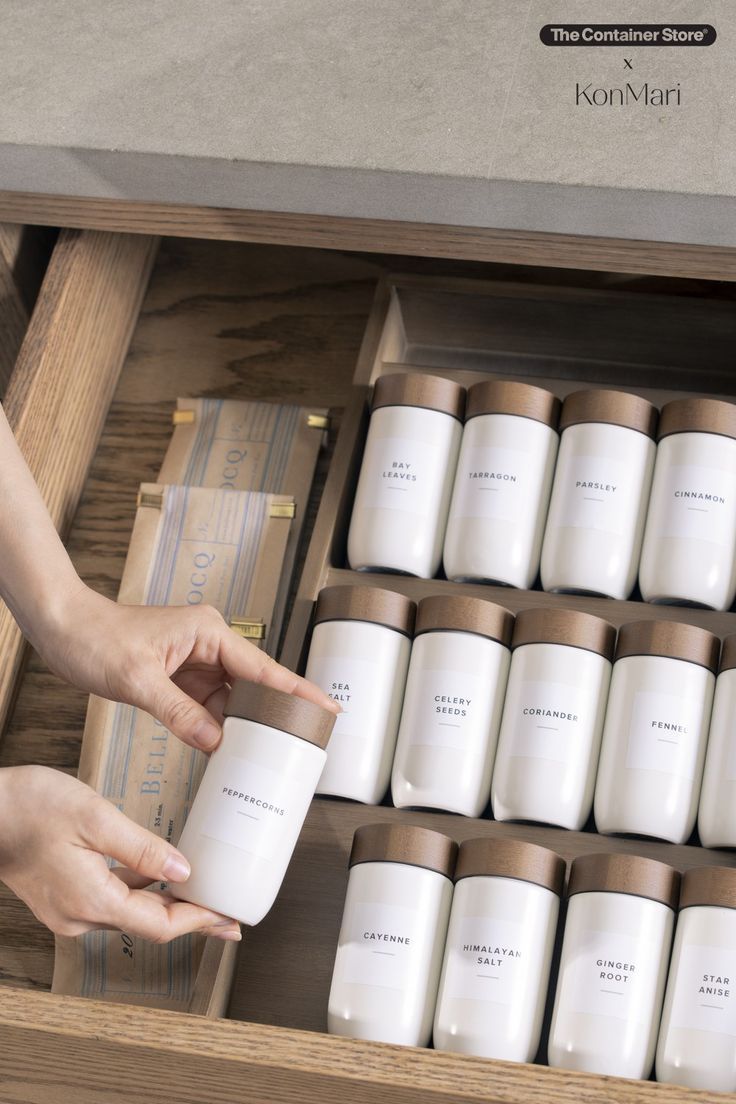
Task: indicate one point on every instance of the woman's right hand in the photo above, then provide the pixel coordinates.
(55, 834)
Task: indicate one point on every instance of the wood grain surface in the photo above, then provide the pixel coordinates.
(27, 251)
(60, 389)
(14, 312)
(373, 235)
(58, 1050)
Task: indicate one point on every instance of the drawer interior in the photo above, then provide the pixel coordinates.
(251, 322)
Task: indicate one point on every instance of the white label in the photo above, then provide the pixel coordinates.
(700, 503)
(253, 805)
(352, 683)
(664, 733)
(492, 483)
(705, 990)
(612, 975)
(485, 961)
(549, 720)
(380, 945)
(446, 705)
(598, 495)
(398, 474)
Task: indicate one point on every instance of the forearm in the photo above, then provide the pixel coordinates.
(37, 578)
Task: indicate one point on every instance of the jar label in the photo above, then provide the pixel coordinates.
(447, 708)
(254, 806)
(700, 503)
(380, 945)
(599, 495)
(550, 720)
(400, 474)
(704, 997)
(664, 733)
(492, 482)
(611, 974)
(486, 961)
(351, 683)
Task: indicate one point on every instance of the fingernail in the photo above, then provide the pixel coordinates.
(206, 735)
(233, 935)
(176, 868)
(224, 924)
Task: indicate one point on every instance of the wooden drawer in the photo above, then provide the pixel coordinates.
(253, 322)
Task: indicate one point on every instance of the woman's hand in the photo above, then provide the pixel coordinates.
(54, 835)
(175, 662)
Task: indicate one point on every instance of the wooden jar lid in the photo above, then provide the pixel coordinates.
(612, 407)
(728, 653)
(415, 389)
(404, 843)
(458, 613)
(709, 885)
(275, 709)
(631, 874)
(697, 416)
(366, 603)
(564, 626)
(509, 858)
(670, 639)
(510, 397)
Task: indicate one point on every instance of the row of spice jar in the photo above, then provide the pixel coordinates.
(499, 498)
(470, 968)
(550, 715)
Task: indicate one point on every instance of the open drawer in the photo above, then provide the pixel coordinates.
(253, 322)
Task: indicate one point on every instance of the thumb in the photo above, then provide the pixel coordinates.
(112, 833)
(182, 715)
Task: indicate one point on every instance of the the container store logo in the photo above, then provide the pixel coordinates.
(624, 34)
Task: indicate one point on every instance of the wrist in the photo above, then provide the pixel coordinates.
(65, 630)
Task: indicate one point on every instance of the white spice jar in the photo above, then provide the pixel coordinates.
(613, 966)
(717, 810)
(697, 1039)
(389, 953)
(552, 717)
(499, 949)
(359, 655)
(689, 551)
(250, 807)
(403, 494)
(600, 492)
(504, 475)
(452, 706)
(656, 728)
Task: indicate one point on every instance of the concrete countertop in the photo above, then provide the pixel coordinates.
(452, 113)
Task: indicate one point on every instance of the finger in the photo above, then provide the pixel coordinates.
(131, 878)
(208, 688)
(243, 660)
(180, 713)
(215, 703)
(159, 918)
(108, 831)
